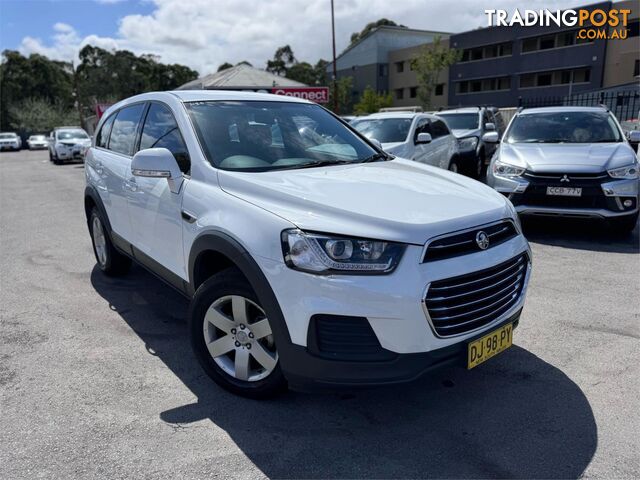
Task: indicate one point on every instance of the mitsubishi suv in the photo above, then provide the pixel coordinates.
(68, 144)
(309, 260)
(568, 162)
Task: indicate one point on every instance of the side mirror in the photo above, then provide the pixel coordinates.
(423, 138)
(490, 126)
(491, 137)
(157, 163)
(634, 136)
(376, 142)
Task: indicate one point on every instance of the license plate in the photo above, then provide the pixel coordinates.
(564, 191)
(489, 346)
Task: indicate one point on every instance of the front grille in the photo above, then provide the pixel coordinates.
(338, 337)
(463, 243)
(467, 302)
(536, 193)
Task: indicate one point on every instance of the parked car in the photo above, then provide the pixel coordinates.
(10, 141)
(36, 142)
(68, 144)
(469, 126)
(568, 161)
(309, 260)
(420, 137)
(631, 130)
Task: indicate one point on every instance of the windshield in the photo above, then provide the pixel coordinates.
(72, 135)
(461, 121)
(262, 136)
(37, 137)
(564, 127)
(8, 135)
(385, 130)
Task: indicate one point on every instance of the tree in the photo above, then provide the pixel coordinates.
(371, 26)
(283, 59)
(224, 66)
(344, 87)
(429, 63)
(372, 102)
(40, 115)
(244, 62)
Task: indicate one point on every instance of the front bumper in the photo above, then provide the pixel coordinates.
(602, 197)
(74, 153)
(9, 146)
(392, 305)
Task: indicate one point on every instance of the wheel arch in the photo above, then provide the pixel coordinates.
(92, 200)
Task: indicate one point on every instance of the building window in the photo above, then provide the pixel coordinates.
(439, 89)
(399, 93)
(557, 40)
(413, 92)
(486, 52)
(529, 45)
(482, 85)
(547, 42)
(383, 69)
(634, 28)
(636, 68)
(558, 77)
(399, 67)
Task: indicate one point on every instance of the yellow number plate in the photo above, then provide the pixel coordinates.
(490, 345)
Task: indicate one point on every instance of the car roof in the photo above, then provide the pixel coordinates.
(461, 110)
(68, 128)
(210, 95)
(562, 109)
(381, 115)
(8, 133)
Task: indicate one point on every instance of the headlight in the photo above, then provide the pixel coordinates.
(469, 143)
(629, 172)
(506, 170)
(318, 253)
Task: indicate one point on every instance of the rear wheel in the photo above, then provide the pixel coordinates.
(232, 339)
(624, 225)
(110, 261)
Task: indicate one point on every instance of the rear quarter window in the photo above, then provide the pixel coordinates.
(102, 139)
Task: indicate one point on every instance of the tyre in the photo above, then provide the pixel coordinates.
(110, 261)
(624, 225)
(50, 156)
(232, 339)
(453, 165)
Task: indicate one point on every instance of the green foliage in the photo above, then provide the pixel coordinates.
(371, 26)
(283, 59)
(39, 115)
(224, 66)
(344, 86)
(372, 102)
(428, 63)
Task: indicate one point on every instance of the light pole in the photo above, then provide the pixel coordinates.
(335, 73)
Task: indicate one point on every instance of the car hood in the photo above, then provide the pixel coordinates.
(397, 200)
(84, 143)
(466, 133)
(567, 157)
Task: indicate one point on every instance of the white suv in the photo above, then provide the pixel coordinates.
(309, 259)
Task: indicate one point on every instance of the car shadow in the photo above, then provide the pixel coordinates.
(516, 416)
(595, 235)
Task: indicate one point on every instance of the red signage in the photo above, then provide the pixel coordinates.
(313, 94)
(101, 108)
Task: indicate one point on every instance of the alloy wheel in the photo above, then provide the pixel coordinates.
(239, 338)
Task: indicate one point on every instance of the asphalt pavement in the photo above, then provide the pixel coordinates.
(97, 378)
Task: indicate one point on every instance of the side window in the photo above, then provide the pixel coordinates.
(485, 119)
(103, 135)
(161, 131)
(439, 129)
(125, 126)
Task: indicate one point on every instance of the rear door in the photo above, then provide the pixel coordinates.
(443, 143)
(423, 152)
(112, 163)
(155, 210)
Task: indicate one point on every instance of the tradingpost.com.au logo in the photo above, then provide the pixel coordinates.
(593, 24)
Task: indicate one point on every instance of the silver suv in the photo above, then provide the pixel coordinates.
(568, 161)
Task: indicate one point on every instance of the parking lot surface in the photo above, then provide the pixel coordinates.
(97, 378)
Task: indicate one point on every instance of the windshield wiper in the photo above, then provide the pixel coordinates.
(375, 157)
(317, 163)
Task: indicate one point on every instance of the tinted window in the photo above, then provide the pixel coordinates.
(72, 135)
(103, 134)
(461, 121)
(439, 129)
(423, 126)
(123, 133)
(161, 131)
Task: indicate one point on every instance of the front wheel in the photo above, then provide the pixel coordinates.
(232, 339)
(110, 261)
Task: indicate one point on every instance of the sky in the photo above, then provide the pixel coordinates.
(202, 34)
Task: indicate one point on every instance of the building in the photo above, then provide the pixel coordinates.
(622, 62)
(403, 83)
(367, 60)
(240, 77)
(501, 64)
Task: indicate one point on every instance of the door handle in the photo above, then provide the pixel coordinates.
(131, 185)
(186, 216)
(99, 168)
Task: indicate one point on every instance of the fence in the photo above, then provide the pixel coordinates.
(623, 104)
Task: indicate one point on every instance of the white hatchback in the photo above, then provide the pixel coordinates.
(420, 137)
